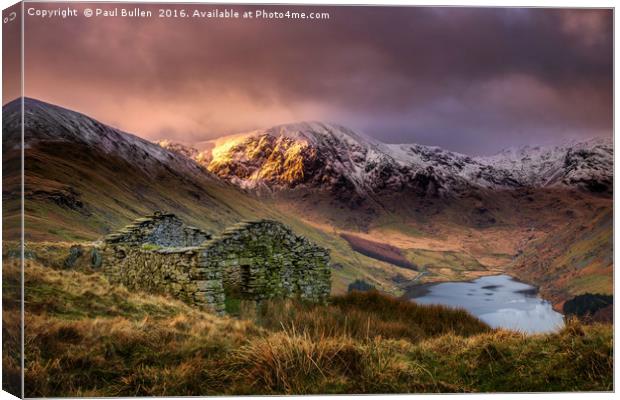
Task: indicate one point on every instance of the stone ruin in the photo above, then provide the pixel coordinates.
(253, 260)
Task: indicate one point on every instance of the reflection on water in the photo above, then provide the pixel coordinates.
(498, 300)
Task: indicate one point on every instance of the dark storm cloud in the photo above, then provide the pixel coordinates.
(473, 80)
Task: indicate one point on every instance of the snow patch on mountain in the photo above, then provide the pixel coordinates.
(586, 163)
(329, 156)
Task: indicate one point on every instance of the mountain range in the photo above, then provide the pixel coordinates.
(331, 157)
(446, 214)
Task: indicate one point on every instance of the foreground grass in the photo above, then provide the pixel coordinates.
(363, 316)
(85, 337)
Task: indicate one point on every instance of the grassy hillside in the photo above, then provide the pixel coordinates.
(86, 337)
(574, 259)
(74, 193)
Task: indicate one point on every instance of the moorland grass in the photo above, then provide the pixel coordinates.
(365, 315)
(142, 344)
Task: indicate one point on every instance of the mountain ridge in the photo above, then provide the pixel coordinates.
(330, 156)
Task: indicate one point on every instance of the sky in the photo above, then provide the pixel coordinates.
(472, 80)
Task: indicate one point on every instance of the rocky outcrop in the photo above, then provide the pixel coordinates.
(252, 260)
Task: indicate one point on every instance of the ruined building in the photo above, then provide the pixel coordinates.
(251, 260)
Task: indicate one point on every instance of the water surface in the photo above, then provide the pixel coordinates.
(498, 300)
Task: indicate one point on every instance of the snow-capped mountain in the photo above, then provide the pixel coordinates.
(49, 124)
(588, 164)
(326, 156)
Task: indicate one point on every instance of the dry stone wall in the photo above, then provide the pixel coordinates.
(265, 259)
(252, 260)
(159, 229)
(179, 271)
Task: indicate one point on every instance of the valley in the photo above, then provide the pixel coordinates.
(429, 218)
(448, 215)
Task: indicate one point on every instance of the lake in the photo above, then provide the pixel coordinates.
(498, 300)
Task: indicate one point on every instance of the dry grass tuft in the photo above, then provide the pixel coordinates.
(293, 362)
